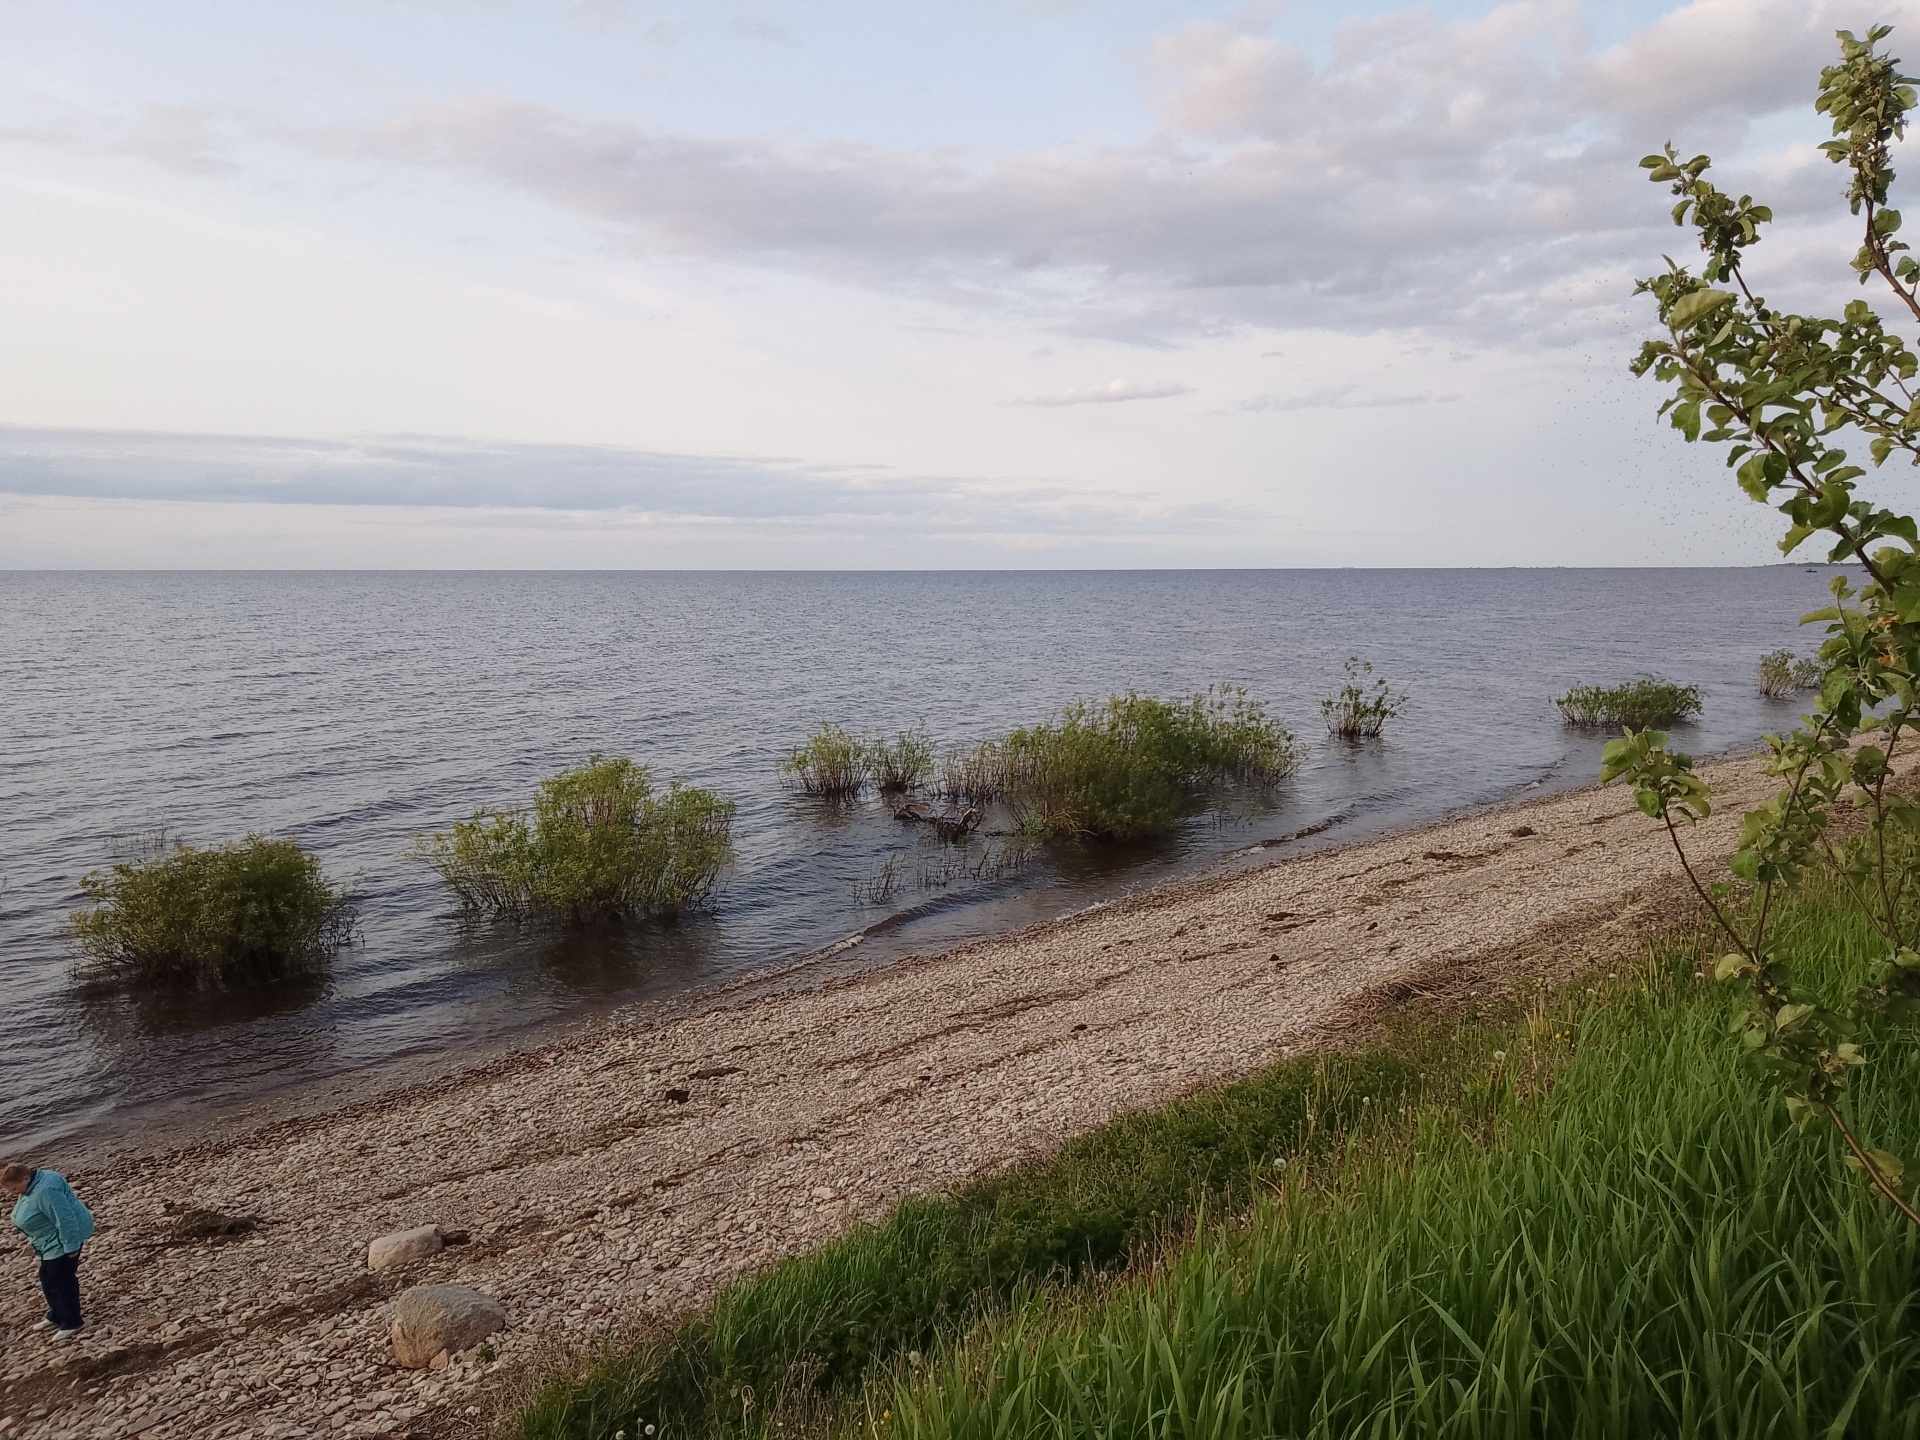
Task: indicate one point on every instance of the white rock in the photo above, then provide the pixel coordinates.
(404, 1247)
(429, 1319)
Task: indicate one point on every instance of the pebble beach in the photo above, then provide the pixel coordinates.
(625, 1173)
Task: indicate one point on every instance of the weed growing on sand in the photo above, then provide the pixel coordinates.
(250, 910)
(600, 842)
(1360, 709)
(1646, 701)
(1782, 673)
(832, 763)
(903, 763)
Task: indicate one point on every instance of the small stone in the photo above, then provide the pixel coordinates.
(430, 1320)
(405, 1247)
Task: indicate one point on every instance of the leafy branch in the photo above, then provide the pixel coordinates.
(1783, 391)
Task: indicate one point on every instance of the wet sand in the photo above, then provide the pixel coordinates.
(631, 1169)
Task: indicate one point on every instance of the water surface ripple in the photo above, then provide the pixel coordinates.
(353, 710)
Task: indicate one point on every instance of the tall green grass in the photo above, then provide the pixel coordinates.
(799, 1338)
(1640, 1247)
(1590, 1219)
(1128, 769)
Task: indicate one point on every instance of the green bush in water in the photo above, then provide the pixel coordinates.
(1639, 703)
(1127, 769)
(251, 909)
(600, 842)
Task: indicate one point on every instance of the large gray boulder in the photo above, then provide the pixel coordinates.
(404, 1247)
(430, 1318)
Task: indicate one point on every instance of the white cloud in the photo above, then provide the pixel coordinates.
(1447, 174)
(1112, 392)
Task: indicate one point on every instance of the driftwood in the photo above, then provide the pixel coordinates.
(947, 824)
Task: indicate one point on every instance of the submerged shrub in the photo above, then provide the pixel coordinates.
(1782, 673)
(902, 763)
(975, 776)
(1639, 703)
(599, 842)
(1361, 708)
(1128, 769)
(832, 762)
(251, 909)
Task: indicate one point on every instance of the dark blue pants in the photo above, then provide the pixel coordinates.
(60, 1280)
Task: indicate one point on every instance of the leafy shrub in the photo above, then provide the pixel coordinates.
(1783, 674)
(1361, 708)
(902, 763)
(832, 763)
(600, 842)
(1128, 769)
(975, 776)
(1639, 703)
(252, 909)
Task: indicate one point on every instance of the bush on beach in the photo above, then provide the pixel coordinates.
(600, 842)
(1646, 701)
(252, 909)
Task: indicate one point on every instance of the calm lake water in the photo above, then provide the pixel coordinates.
(351, 711)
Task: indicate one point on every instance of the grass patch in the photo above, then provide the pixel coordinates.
(802, 1335)
(1782, 673)
(1588, 1218)
(903, 763)
(1626, 1239)
(600, 842)
(1639, 703)
(1360, 709)
(832, 763)
(250, 910)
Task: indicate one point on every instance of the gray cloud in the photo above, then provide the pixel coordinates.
(1469, 175)
(433, 471)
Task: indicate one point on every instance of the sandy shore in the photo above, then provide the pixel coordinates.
(595, 1193)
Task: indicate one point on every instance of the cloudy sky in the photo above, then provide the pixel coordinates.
(822, 283)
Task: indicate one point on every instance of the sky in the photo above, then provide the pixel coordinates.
(827, 284)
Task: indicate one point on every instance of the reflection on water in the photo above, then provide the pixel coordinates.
(354, 711)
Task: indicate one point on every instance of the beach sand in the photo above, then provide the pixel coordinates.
(632, 1169)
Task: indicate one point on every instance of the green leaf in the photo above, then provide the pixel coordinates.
(1690, 309)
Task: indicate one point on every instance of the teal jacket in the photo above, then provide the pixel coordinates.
(51, 1216)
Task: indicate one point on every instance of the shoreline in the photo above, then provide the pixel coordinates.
(626, 1168)
(123, 1137)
